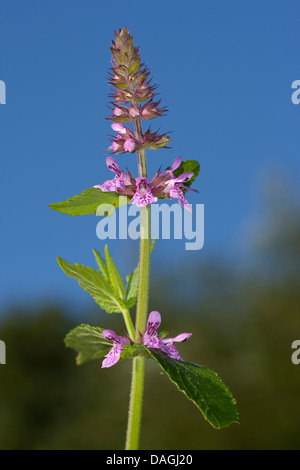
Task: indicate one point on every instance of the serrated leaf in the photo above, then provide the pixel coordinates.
(188, 166)
(88, 342)
(102, 265)
(114, 275)
(93, 282)
(203, 386)
(132, 288)
(88, 202)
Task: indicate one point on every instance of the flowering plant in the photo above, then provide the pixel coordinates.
(133, 101)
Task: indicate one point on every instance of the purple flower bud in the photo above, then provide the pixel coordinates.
(118, 127)
(134, 112)
(146, 112)
(115, 147)
(129, 145)
(118, 112)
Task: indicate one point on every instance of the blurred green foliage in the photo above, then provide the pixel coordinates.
(243, 324)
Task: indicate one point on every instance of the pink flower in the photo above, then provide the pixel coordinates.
(143, 195)
(134, 112)
(129, 145)
(146, 112)
(118, 112)
(166, 345)
(118, 345)
(173, 191)
(120, 181)
(118, 127)
(114, 146)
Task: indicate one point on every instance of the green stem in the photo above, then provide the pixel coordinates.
(128, 323)
(137, 380)
(135, 406)
(144, 270)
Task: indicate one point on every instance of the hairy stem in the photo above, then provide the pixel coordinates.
(137, 381)
(128, 323)
(135, 406)
(144, 271)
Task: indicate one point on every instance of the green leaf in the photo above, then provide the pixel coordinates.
(102, 265)
(152, 245)
(88, 342)
(88, 202)
(93, 282)
(186, 167)
(132, 288)
(114, 275)
(203, 386)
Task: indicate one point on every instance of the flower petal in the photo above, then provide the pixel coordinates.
(173, 353)
(178, 338)
(154, 321)
(108, 185)
(118, 112)
(113, 356)
(176, 164)
(118, 127)
(129, 145)
(110, 335)
(184, 177)
(143, 195)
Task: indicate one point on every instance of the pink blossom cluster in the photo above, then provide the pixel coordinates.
(163, 185)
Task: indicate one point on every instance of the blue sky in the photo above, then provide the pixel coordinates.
(224, 71)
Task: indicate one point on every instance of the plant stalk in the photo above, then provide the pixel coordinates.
(138, 370)
(128, 323)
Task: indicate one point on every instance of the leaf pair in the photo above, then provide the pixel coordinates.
(199, 384)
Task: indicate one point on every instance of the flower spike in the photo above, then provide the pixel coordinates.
(132, 96)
